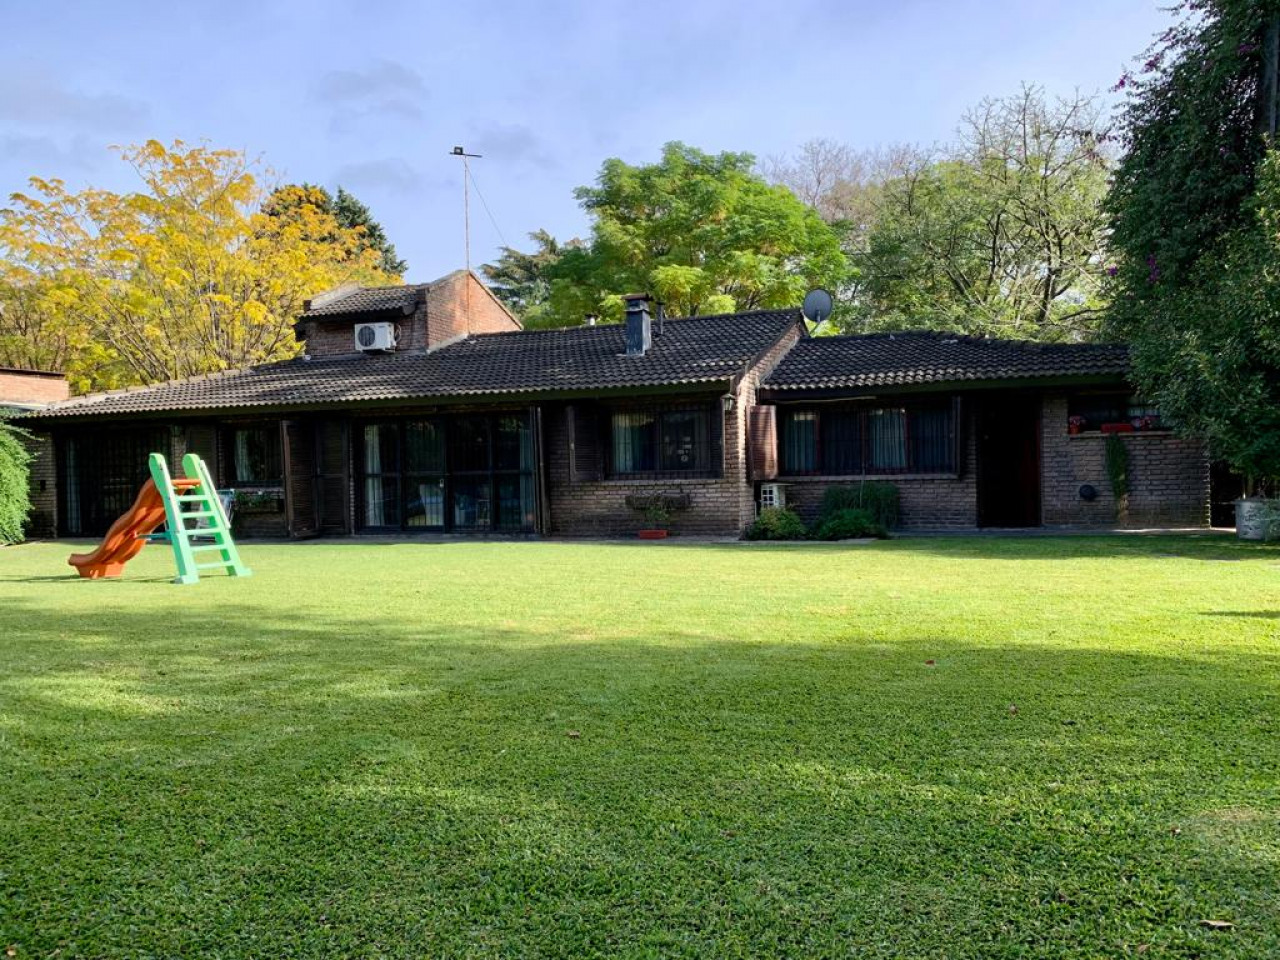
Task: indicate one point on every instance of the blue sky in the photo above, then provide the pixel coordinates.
(373, 95)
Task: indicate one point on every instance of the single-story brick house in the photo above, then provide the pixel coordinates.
(425, 408)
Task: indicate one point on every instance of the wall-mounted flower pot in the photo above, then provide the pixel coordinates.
(653, 534)
(1074, 429)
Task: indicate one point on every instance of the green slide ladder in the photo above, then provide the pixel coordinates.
(195, 503)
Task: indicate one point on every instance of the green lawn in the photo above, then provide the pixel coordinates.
(922, 748)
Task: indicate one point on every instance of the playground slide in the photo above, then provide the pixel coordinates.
(122, 543)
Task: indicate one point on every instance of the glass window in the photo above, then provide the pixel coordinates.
(841, 441)
(469, 444)
(513, 444)
(255, 456)
(799, 441)
(423, 447)
(846, 440)
(471, 504)
(676, 441)
(381, 452)
(424, 502)
(888, 436)
(1096, 409)
(634, 446)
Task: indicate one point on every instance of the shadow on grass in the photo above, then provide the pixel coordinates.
(302, 786)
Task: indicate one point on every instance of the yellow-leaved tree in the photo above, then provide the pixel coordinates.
(193, 273)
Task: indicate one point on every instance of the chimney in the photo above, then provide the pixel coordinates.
(639, 336)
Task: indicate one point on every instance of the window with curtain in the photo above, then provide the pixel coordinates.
(255, 456)
(661, 442)
(1095, 409)
(846, 440)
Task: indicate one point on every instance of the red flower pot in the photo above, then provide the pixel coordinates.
(1117, 428)
(653, 534)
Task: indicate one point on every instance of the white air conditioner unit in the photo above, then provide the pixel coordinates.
(773, 495)
(375, 337)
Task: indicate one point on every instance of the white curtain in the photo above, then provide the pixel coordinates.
(244, 473)
(374, 509)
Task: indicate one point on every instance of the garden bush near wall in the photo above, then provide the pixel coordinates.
(851, 523)
(877, 498)
(15, 500)
(775, 523)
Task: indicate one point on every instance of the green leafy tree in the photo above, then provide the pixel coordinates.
(351, 214)
(348, 212)
(523, 280)
(1195, 218)
(1000, 233)
(704, 233)
(15, 501)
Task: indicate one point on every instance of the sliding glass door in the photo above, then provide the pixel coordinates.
(466, 473)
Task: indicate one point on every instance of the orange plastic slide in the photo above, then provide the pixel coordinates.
(122, 543)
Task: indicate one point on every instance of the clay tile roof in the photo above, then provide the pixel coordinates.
(588, 359)
(903, 359)
(365, 300)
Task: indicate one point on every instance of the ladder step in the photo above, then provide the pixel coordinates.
(188, 498)
(199, 513)
(214, 566)
(197, 547)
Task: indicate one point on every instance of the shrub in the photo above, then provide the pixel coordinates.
(775, 523)
(878, 498)
(15, 498)
(852, 523)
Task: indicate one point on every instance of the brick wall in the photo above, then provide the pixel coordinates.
(43, 519)
(31, 388)
(925, 501)
(720, 506)
(460, 304)
(1169, 476)
(451, 307)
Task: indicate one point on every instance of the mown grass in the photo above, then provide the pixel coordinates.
(565, 750)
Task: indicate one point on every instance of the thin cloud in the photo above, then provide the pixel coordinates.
(512, 143)
(383, 90)
(41, 102)
(41, 154)
(389, 174)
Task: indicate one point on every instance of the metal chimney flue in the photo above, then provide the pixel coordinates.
(638, 325)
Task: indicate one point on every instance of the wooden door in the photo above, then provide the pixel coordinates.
(1009, 461)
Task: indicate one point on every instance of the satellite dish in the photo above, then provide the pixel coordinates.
(817, 306)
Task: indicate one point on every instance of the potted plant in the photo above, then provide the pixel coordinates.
(1076, 424)
(657, 516)
(1119, 427)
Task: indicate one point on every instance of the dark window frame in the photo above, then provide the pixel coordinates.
(860, 415)
(270, 429)
(708, 459)
(449, 477)
(1112, 406)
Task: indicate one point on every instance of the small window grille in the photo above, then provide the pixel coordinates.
(772, 495)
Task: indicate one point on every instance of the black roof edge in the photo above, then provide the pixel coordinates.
(259, 411)
(942, 386)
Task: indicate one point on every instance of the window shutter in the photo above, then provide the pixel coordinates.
(586, 458)
(762, 442)
(299, 452)
(202, 439)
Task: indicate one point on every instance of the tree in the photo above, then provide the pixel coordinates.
(1195, 230)
(523, 280)
(348, 212)
(351, 214)
(187, 276)
(15, 497)
(1001, 233)
(703, 233)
